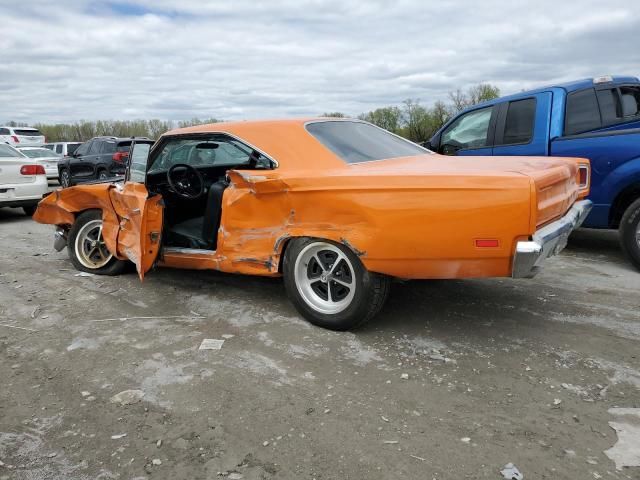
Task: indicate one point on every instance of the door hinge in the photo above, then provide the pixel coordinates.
(154, 236)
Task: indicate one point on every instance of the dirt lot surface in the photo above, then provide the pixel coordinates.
(453, 380)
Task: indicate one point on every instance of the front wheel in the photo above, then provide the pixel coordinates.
(87, 249)
(630, 233)
(329, 285)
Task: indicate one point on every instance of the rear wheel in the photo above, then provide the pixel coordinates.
(102, 175)
(630, 233)
(30, 210)
(87, 249)
(65, 178)
(329, 285)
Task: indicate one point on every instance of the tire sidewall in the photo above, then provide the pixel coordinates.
(348, 318)
(64, 173)
(113, 267)
(628, 227)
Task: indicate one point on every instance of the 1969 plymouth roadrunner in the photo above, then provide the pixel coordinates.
(337, 207)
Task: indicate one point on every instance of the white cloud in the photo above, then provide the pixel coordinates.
(71, 60)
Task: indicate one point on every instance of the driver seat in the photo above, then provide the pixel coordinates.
(201, 232)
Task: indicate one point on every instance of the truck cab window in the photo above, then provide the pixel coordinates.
(468, 131)
(582, 113)
(521, 116)
(630, 100)
(609, 106)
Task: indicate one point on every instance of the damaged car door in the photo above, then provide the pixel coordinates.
(140, 216)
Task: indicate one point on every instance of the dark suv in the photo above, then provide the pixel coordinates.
(101, 158)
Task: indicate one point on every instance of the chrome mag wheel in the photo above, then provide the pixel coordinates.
(325, 278)
(90, 248)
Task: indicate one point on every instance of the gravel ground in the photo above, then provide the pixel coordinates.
(453, 380)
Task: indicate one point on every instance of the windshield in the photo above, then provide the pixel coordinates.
(356, 142)
(207, 151)
(39, 153)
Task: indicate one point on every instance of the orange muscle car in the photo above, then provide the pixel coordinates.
(337, 207)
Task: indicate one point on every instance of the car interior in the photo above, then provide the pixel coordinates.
(190, 172)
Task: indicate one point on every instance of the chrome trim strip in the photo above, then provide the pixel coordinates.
(190, 251)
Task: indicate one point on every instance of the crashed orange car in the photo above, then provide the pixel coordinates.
(336, 207)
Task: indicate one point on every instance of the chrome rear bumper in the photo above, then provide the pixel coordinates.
(548, 241)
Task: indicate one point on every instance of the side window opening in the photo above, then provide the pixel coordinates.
(520, 122)
(471, 130)
(630, 100)
(582, 113)
(95, 147)
(59, 149)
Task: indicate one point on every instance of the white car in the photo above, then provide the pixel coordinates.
(21, 136)
(63, 148)
(45, 157)
(23, 182)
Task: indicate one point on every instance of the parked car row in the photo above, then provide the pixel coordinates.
(598, 119)
(23, 181)
(100, 158)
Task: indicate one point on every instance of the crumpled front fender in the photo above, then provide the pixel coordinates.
(62, 206)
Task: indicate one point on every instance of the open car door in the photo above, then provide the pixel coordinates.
(141, 216)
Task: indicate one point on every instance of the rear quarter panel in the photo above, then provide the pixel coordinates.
(417, 227)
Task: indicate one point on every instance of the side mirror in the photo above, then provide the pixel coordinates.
(427, 145)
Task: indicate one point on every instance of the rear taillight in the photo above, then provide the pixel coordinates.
(15, 139)
(32, 170)
(120, 156)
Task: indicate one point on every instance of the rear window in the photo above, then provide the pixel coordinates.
(521, 116)
(71, 147)
(124, 146)
(582, 112)
(7, 151)
(39, 153)
(356, 142)
(27, 133)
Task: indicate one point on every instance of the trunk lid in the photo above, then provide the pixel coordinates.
(555, 179)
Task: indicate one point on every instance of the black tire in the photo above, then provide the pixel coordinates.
(102, 175)
(630, 233)
(30, 210)
(371, 290)
(64, 178)
(112, 267)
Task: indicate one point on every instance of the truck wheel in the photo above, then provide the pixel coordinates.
(102, 175)
(87, 250)
(329, 285)
(630, 233)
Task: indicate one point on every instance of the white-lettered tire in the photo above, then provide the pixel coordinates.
(630, 233)
(86, 247)
(329, 285)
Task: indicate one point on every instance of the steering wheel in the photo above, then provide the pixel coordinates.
(186, 181)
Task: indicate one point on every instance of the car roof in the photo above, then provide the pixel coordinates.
(31, 147)
(117, 139)
(19, 128)
(285, 141)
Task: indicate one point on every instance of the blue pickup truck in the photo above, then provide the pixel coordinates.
(598, 119)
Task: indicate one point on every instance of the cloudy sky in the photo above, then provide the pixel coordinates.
(68, 60)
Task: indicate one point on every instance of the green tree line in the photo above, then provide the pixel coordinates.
(411, 119)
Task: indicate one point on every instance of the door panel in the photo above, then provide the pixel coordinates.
(140, 231)
(512, 123)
